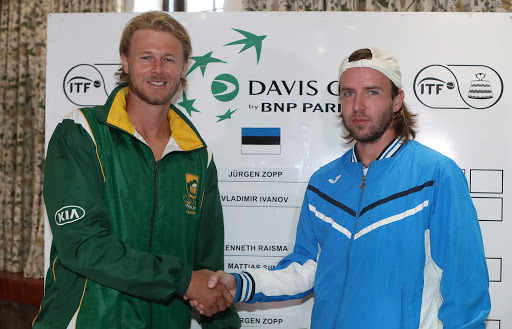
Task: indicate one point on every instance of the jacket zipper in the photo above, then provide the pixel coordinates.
(362, 185)
(155, 171)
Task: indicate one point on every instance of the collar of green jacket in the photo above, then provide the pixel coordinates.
(183, 131)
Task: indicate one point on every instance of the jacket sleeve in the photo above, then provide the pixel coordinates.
(457, 249)
(293, 277)
(209, 245)
(73, 180)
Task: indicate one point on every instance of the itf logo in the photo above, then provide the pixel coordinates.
(84, 86)
(458, 86)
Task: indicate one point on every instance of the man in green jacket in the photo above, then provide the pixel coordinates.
(132, 199)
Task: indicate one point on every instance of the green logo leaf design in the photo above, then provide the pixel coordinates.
(203, 61)
(226, 115)
(251, 40)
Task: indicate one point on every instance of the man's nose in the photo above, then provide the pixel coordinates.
(358, 104)
(157, 66)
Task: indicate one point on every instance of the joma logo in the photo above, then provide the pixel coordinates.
(69, 214)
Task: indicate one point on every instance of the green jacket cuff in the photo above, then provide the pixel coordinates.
(186, 275)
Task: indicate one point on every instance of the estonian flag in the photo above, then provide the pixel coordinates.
(261, 140)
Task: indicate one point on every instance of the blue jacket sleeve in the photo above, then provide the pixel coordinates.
(293, 277)
(457, 249)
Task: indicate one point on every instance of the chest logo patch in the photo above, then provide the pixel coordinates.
(190, 197)
(332, 181)
(69, 214)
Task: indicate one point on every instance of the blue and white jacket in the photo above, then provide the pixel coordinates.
(397, 245)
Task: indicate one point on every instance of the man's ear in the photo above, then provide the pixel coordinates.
(124, 61)
(398, 101)
(184, 69)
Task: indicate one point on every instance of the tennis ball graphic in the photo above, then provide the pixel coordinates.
(225, 87)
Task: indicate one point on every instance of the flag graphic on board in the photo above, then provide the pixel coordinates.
(261, 140)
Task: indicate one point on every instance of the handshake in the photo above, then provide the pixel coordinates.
(211, 292)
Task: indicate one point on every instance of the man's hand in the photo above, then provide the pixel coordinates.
(226, 279)
(219, 278)
(212, 300)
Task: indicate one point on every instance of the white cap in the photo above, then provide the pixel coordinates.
(381, 61)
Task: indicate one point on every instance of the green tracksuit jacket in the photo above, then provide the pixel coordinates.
(128, 231)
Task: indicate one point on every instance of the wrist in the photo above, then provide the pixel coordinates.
(185, 280)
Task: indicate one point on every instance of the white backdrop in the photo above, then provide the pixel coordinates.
(286, 80)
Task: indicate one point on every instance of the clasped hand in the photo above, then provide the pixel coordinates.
(211, 292)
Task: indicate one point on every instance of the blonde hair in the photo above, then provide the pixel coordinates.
(158, 21)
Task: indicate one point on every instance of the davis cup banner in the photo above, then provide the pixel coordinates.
(263, 92)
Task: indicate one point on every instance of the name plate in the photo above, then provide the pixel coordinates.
(272, 248)
(258, 174)
(247, 199)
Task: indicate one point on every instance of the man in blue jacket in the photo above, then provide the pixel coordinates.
(388, 236)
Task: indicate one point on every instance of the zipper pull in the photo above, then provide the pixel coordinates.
(363, 184)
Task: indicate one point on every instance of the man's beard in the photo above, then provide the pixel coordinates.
(139, 92)
(376, 130)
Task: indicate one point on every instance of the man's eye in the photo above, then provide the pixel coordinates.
(373, 92)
